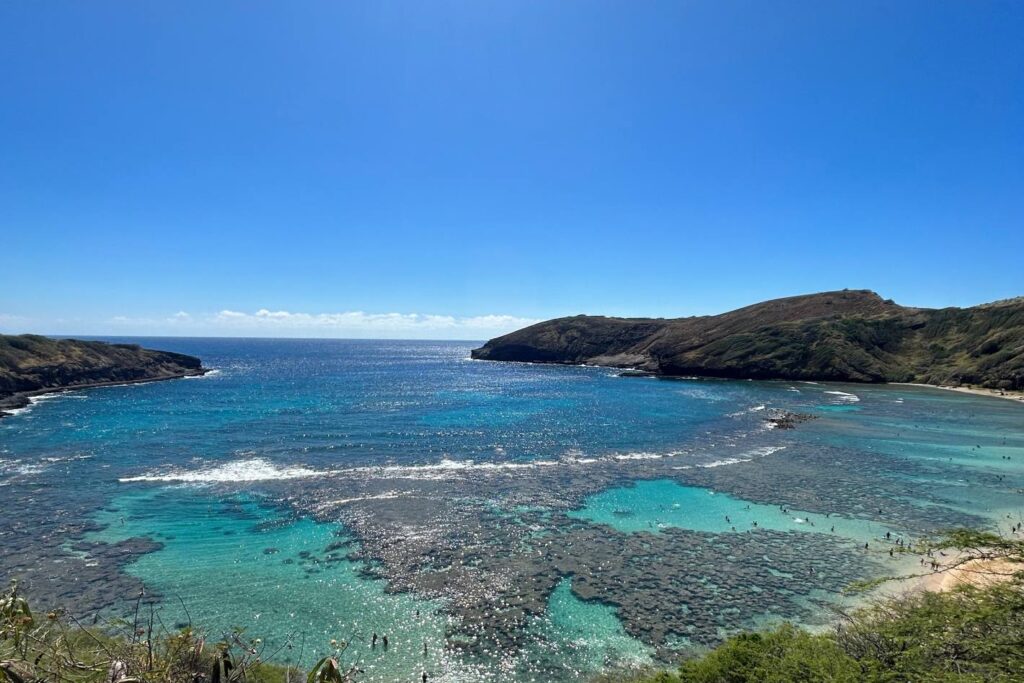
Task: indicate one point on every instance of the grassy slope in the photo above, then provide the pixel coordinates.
(840, 336)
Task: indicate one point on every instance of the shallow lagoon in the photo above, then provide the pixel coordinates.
(238, 564)
(529, 513)
(653, 505)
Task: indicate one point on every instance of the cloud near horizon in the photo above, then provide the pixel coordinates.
(267, 323)
(357, 324)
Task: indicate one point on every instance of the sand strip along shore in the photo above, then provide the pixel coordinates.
(977, 391)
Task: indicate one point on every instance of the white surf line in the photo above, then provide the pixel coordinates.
(33, 401)
(387, 495)
(844, 397)
(259, 469)
(253, 469)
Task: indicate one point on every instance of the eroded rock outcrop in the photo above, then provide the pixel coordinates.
(32, 364)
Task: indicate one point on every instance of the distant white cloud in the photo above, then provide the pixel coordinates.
(357, 324)
(362, 324)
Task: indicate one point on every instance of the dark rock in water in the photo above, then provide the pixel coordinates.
(849, 335)
(32, 365)
(270, 551)
(338, 545)
(781, 419)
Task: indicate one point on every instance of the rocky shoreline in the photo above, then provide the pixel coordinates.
(32, 366)
(23, 399)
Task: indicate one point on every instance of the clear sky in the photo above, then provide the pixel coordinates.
(456, 169)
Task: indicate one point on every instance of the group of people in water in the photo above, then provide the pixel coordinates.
(386, 643)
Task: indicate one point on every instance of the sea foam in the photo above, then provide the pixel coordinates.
(252, 469)
(35, 400)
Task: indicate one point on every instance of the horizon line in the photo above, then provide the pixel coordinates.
(179, 336)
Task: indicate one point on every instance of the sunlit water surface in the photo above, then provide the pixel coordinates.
(188, 463)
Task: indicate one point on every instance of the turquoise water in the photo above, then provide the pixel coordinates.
(241, 565)
(318, 490)
(651, 506)
(583, 637)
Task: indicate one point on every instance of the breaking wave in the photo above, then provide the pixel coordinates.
(252, 469)
(843, 397)
(762, 452)
(213, 372)
(33, 401)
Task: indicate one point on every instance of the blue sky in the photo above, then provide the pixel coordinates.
(456, 169)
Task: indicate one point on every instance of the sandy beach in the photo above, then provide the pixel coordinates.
(949, 575)
(978, 391)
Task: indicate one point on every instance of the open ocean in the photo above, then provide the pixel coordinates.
(499, 522)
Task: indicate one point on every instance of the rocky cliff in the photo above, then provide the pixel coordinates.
(30, 364)
(838, 336)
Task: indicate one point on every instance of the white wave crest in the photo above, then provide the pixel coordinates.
(446, 468)
(843, 397)
(641, 456)
(33, 401)
(760, 452)
(724, 461)
(19, 467)
(11, 412)
(766, 450)
(387, 495)
(252, 469)
(213, 372)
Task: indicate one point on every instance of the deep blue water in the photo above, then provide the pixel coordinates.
(203, 465)
(341, 402)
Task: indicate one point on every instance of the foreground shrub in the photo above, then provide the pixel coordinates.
(780, 656)
(56, 648)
